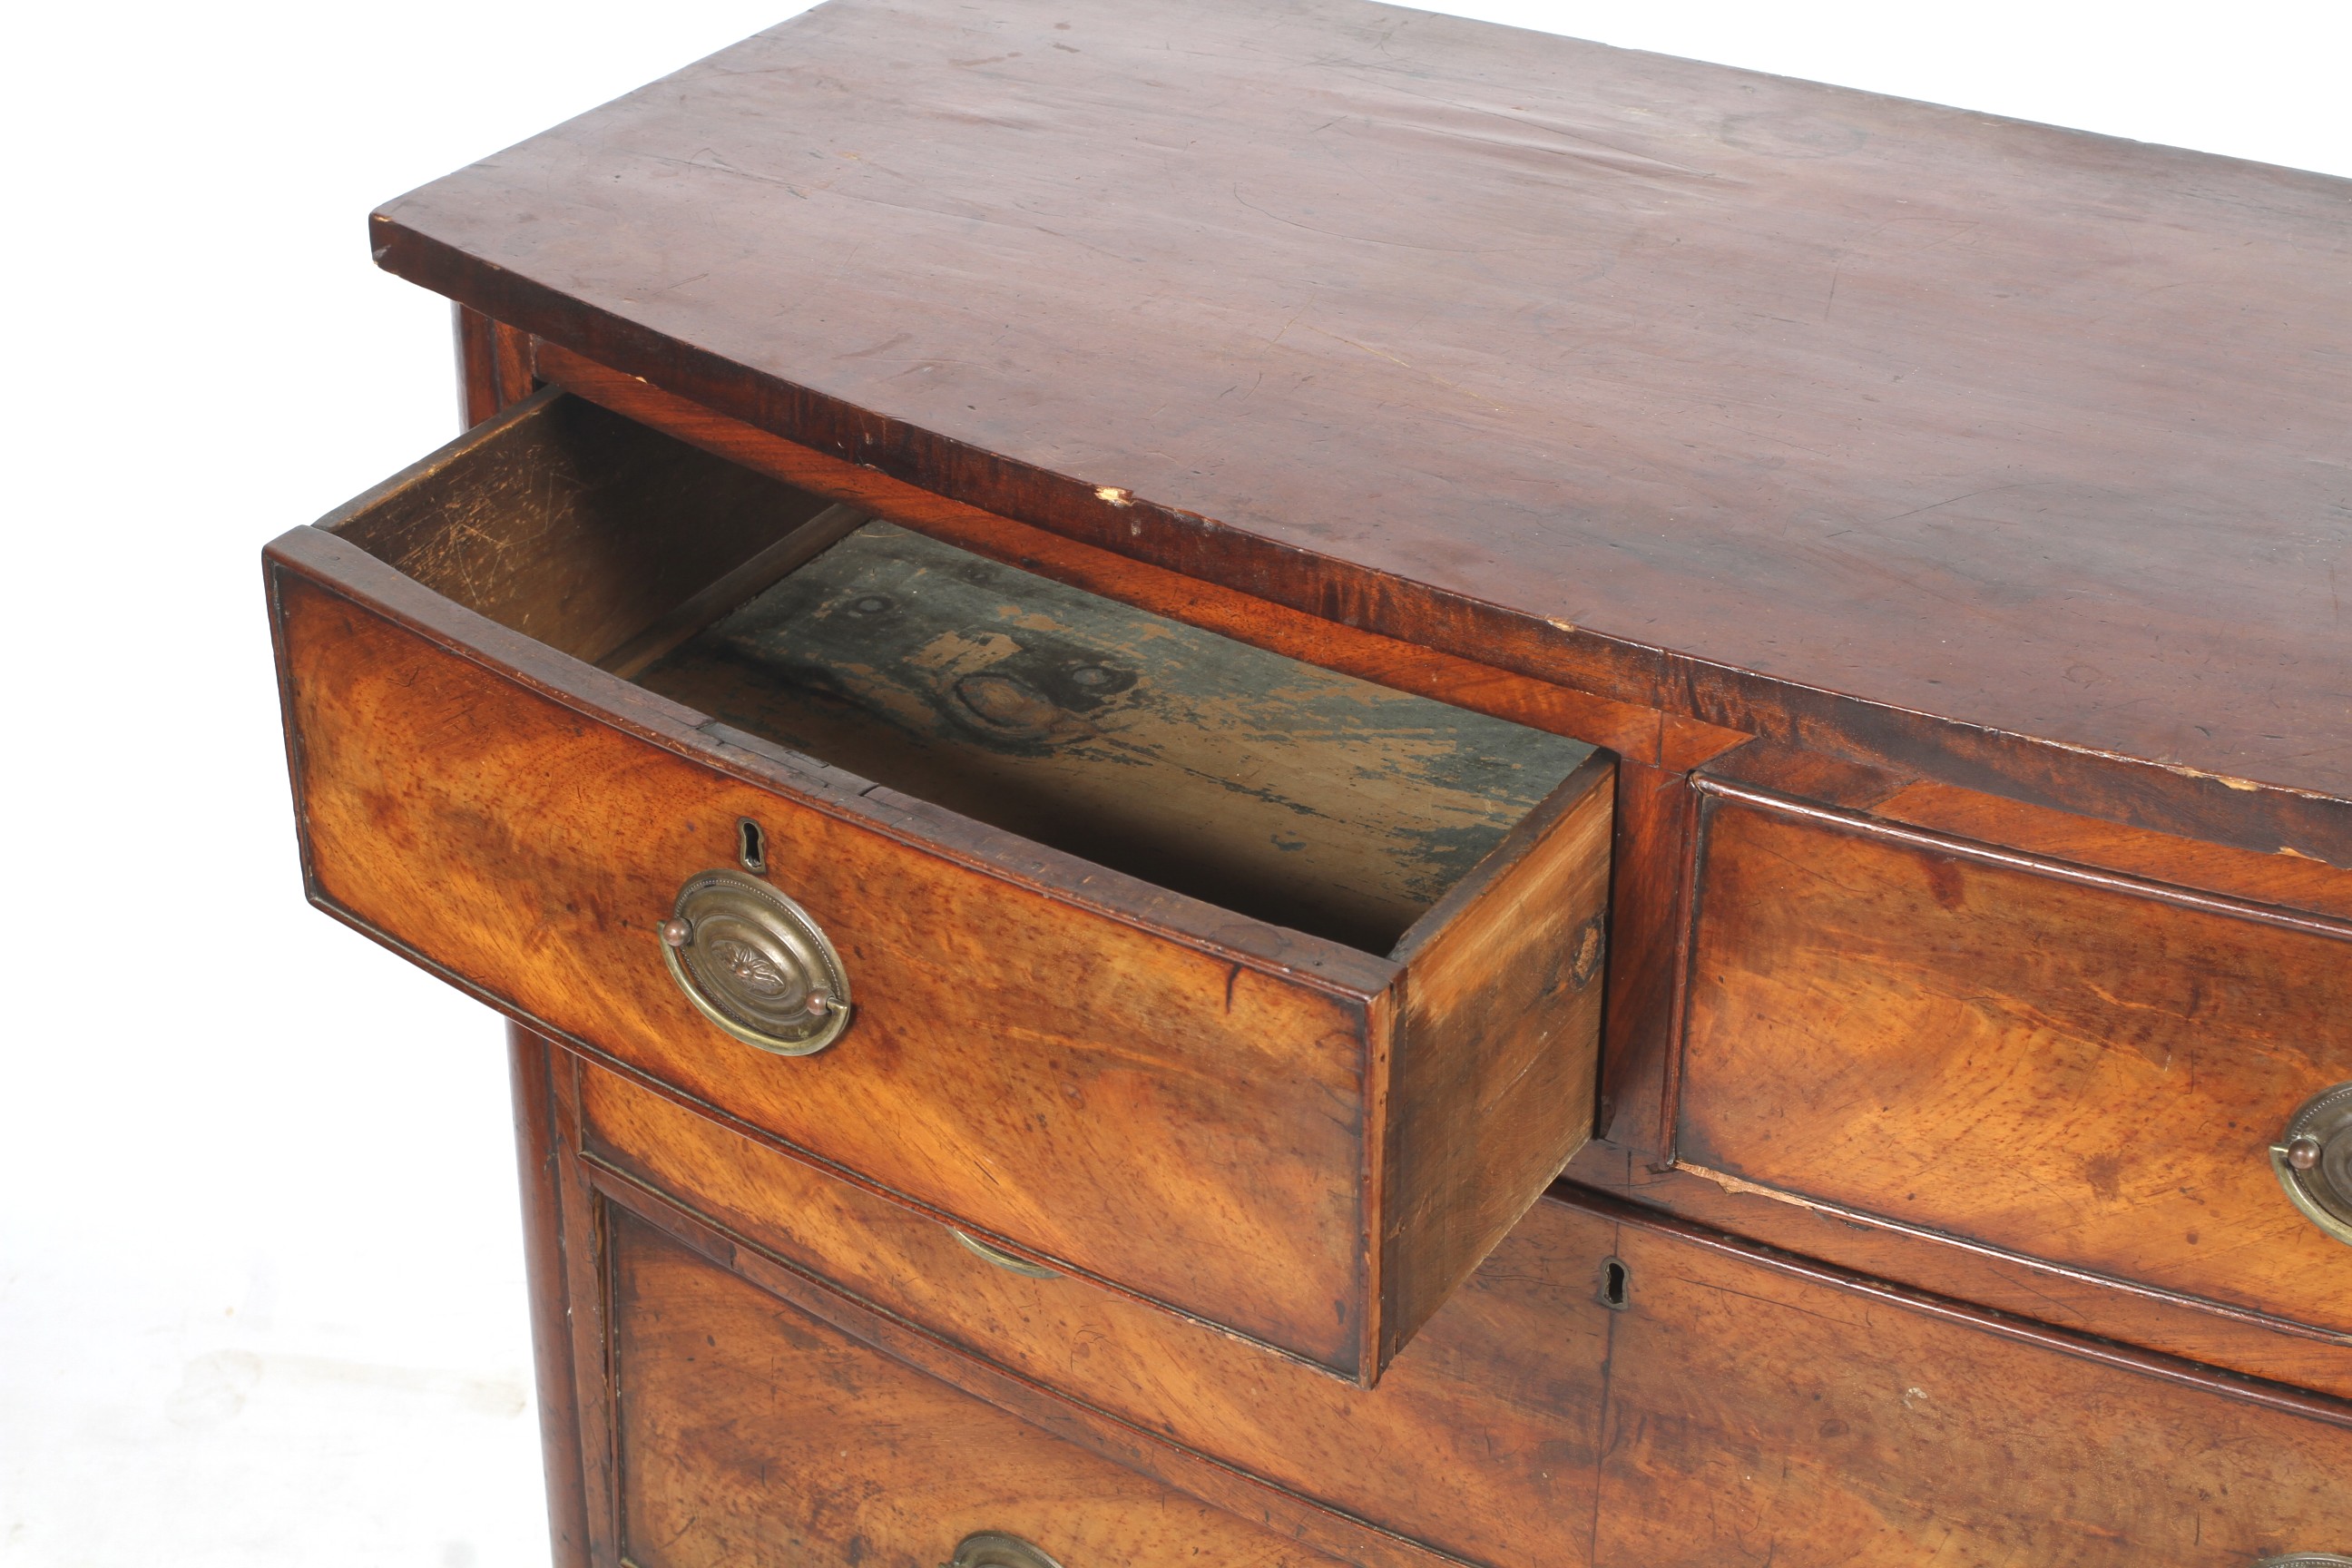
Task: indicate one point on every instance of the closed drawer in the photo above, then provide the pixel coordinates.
(2064, 1065)
(1482, 1427)
(1289, 1054)
(749, 1433)
(1609, 1388)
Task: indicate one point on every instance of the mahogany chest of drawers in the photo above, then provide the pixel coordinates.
(1294, 783)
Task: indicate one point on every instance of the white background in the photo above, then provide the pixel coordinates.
(261, 1297)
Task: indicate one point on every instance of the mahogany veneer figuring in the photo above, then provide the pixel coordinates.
(1925, 434)
(1494, 605)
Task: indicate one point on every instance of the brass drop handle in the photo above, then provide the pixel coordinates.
(995, 1548)
(754, 963)
(2312, 1160)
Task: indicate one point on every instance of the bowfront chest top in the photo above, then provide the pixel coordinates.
(1307, 782)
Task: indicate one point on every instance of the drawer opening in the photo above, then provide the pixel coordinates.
(1281, 791)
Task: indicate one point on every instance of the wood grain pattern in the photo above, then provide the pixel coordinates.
(1029, 1024)
(2291, 1355)
(749, 1432)
(1008, 1050)
(1301, 797)
(1655, 749)
(577, 1318)
(1188, 316)
(1764, 1413)
(494, 370)
(1220, 1486)
(1962, 499)
(1757, 1408)
(2064, 1070)
(1630, 729)
(1485, 1423)
(2280, 879)
(539, 1147)
(1649, 874)
(1505, 973)
(567, 523)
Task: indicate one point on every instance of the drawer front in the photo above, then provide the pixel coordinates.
(1160, 1115)
(749, 1433)
(1481, 1429)
(2067, 1068)
(1607, 1389)
(1305, 1142)
(1762, 1412)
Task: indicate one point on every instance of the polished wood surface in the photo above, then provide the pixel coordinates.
(1907, 538)
(1921, 434)
(1828, 1419)
(2284, 881)
(1656, 749)
(1028, 1026)
(1496, 976)
(1485, 1422)
(2212, 1333)
(2071, 1067)
(1761, 1411)
(749, 1432)
(1640, 732)
(494, 367)
(541, 1148)
(515, 843)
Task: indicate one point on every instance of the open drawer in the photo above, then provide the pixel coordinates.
(1257, 991)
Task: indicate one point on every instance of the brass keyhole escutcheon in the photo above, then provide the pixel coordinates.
(2313, 1159)
(754, 963)
(995, 1548)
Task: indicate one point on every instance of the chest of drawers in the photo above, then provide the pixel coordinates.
(1303, 783)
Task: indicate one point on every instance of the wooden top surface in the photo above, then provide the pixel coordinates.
(1893, 427)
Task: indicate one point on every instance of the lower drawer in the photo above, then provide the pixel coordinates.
(1609, 1389)
(749, 1433)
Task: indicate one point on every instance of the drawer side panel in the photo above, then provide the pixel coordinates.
(1497, 1068)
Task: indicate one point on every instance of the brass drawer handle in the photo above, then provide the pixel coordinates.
(754, 963)
(2313, 1159)
(1003, 1260)
(995, 1548)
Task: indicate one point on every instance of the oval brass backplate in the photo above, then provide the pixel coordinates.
(2313, 1159)
(2306, 1560)
(754, 962)
(995, 1548)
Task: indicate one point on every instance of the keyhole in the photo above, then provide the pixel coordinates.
(750, 845)
(1616, 1284)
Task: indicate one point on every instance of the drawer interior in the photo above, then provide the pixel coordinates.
(1284, 792)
